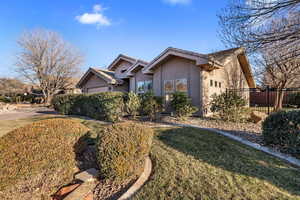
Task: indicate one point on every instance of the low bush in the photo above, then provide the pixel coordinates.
(102, 106)
(229, 107)
(182, 105)
(122, 149)
(151, 105)
(294, 99)
(283, 128)
(132, 104)
(5, 99)
(37, 159)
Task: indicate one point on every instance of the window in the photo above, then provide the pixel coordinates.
(144, 86)
(216, 83)
(181, 85)
(220, 84)
(148, 85)
(123, 70)
(169, 86)
(211, 83)
(140, 87)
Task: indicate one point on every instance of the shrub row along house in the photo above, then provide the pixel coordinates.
(198, 75)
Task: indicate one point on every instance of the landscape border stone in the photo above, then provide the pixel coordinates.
(140, 182)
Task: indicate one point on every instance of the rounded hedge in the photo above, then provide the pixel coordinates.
(122, 149)
(102, 106)
(283, 129)
(39, 158)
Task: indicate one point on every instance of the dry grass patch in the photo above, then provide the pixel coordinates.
(39, 158)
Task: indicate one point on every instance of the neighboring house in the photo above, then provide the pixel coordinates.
(199, 75)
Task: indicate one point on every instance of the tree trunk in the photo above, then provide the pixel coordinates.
(279, 99)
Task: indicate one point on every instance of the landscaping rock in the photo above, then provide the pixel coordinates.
(257, 117)
(87, 175)
(249, 130)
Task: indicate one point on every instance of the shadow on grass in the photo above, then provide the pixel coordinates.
(231, 156)
(85, 152)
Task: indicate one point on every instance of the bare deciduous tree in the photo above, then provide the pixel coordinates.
(47, 61)
(246, 23)
(280, 69)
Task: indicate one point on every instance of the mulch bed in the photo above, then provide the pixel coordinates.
(248, 130)
(109, 190)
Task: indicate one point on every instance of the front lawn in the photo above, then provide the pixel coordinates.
(195, 164)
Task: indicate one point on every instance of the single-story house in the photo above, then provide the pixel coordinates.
(199, 75)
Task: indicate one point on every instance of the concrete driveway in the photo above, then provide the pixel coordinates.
(26, 113)
(23, 116)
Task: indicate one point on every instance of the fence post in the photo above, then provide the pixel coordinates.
(226, 92)
(268, 99)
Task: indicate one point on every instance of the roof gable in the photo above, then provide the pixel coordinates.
(121, 57)
(107, 76)
(200, 59)
(140, 64)
(240, 54)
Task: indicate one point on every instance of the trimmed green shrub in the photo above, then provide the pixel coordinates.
(102, 106)
(182, 105)
(294, 99)
(5, 99)
(122, 149)
(132, 104)
(229, 106)
(283, 128)
(151, 105)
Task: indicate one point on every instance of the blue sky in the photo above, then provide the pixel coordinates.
(102, 29)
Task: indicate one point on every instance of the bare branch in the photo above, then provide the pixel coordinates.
(47, 61)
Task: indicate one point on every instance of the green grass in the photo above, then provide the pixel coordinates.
(194, 164)
(190, 163)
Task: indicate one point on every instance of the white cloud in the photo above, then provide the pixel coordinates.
(96, 17)
(98, 8)
(175, 2)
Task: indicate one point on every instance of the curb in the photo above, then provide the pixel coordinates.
(256, 146)
(140, 182)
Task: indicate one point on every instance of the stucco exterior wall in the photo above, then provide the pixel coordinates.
(230, 77)
(179, 68)
(122, 65)
(93, 82)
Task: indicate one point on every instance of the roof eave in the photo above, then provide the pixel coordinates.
(198, 58)
(99, 74)
(244, 62)
(121, 57)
